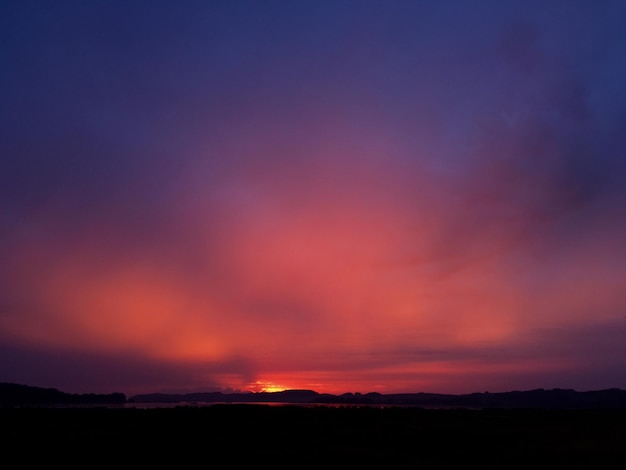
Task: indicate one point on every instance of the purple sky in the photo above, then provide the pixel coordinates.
(391, 196)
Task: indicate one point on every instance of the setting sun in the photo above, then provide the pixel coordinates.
(261, 386)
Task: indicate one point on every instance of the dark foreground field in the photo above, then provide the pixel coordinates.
(292, 436)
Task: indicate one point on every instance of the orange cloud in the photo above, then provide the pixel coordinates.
(367, 270)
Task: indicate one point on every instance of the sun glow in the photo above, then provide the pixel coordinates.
(260, 386)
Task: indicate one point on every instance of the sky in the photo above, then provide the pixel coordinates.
(344, 196)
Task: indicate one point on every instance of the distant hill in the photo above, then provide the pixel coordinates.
(540, 399)
(24, 395)
(21, 395)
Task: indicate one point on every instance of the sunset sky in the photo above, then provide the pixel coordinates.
(345, 196)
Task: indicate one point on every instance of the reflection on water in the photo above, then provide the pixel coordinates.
(154, 405)
(306, 405)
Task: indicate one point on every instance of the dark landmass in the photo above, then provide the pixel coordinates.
(534, 429)
(22, 395)
(295, 436)
(541, 399)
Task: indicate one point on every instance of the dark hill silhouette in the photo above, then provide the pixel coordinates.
(20, 395)
(538, 399)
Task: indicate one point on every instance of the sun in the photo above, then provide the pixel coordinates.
(262, 386)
